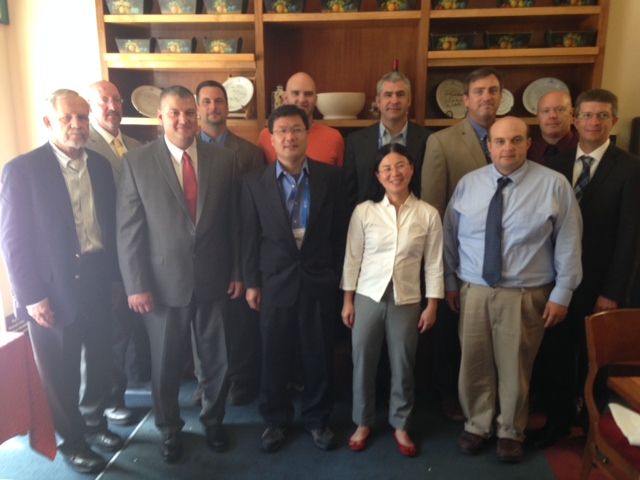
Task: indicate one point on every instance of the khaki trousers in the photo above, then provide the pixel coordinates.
(500, 332)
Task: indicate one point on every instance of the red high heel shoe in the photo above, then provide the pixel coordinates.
(406, 450)
(359, 445)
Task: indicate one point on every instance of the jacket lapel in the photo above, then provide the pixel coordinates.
(602, 172)
(274, 201)
(317, 192)
(164, 162)
(471, 141)
(55, 187)
(204, 170)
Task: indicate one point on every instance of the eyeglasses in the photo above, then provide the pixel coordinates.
(589, 115)
(68, 118)
(296, 131)
(113, 100)
(549, 110)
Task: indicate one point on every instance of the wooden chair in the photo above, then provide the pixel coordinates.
(613, 340)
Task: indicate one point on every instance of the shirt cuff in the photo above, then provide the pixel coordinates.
(32, 307)
(561, 296)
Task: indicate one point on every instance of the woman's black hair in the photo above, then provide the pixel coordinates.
(376, 190)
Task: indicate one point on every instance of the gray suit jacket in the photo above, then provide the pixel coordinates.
(159, 248)
(97, 143)
(450, 154)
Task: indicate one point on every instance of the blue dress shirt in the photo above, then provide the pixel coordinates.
(295, 195)
(208, 139)
(542, 230)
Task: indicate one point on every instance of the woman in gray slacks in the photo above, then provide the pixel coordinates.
(388, 238)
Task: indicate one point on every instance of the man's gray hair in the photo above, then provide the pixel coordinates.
(393, 77)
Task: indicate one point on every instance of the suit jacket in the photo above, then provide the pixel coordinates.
(159, 248)
(248, 156)
(360, 154)
(611, 236)
(271, 259)
(97, 143)
(450, 154)
(38, 232)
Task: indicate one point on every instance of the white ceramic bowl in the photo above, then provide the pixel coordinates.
(340, 105)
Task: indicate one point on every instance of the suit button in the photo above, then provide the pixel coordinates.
(77, 255)
(77, 277)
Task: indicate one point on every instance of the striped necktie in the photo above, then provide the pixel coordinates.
(585, 176)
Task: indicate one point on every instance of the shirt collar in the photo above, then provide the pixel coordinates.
(281, 171)
(205, 137)
(411, 199)
(515, 177)
(108, 137)
(383, 133)
(64, 159)
(176, 152)
(481, 132)
(597, 154)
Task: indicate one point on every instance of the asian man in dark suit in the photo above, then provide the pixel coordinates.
(606, 180)
(57, 228)
(243, 335)
(294, 235)
(393, 96)
(177, 247)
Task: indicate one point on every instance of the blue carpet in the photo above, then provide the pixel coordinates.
(438, 457)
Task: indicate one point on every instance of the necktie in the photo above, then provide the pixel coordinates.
(189, 185)
(585, 176)
(485, 148)
(492, 265)
(75, 164)
(119, 147)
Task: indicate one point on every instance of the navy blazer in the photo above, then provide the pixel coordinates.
(38, 233)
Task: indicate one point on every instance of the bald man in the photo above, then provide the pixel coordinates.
(557, 133)
(325, 144)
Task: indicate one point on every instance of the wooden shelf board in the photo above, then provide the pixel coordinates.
(489, 13)
(519, 56)
(180, 19)
(340, 18)
(244, 62)
(356, 123)
(153, 121)
(447, 122)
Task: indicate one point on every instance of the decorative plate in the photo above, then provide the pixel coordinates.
(506, 103)
(222, 45)
(395, 5)
(452, 41)
(449, 4)
(134, 45)
(177, 6)
(125, 7)
(225, 6)
(507, 40)
(239, 91)
(571, 39)
(449, 98)
(537, 89)
(515, 3)
(146, 100)
(284, 6)
(339, 6)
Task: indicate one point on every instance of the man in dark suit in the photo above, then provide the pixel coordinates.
(293, 234)
(106, 138)
(606, 180)
(177, 241)
(393, 96)
(58, 239)
(243, 339)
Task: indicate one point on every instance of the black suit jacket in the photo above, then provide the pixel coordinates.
(271, 258)
(360, 154)
(610, 212)
(38, 233)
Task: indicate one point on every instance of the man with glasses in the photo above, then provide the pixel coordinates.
(293, 236)
(178, 247)
(106, 138)
(58, 238)
(606, 181)
(557, 133)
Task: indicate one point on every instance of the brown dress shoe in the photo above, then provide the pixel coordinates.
(509, 450)
(470, 443)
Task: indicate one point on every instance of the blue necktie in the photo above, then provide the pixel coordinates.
(585, 176)
(492, 265)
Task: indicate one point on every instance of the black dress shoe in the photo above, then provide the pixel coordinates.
(548, 435)
(120, 415)
(272, 439)
(104, 440)
(323, 438)
(217, 438)
(83, 459)
(171, 447)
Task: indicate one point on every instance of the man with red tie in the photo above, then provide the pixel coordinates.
(177, 240)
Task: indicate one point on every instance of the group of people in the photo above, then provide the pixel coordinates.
(235, 254)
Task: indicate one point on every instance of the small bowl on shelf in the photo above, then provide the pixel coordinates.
(339, 6)
(515, 3)
(225, 6)
(134, 45)
(177, 6)
(175, 45)
(340, 105)
(574, 3)
(452, 41)
(571, 39)
(395, 5)
(125, 7)
(449, 4)
(507, 40)
(222, 45)
(284, 6)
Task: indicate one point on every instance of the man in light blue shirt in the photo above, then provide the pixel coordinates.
(512, 262)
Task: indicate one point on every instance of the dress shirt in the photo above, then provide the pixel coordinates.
(540, 151)
(78, 181)
(597, 155)
(384, 247)
(108, 137)
(176, 157)
(206, 138)
(384, 136)
(296, 198)
(541, 224)
(481, 132)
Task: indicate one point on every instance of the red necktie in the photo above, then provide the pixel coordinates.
(189, 185)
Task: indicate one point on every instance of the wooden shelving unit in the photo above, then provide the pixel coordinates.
(350, 51)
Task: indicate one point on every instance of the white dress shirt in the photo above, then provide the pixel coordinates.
(597, 155)
(109, 138)
(384, 247)
(176, 157)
